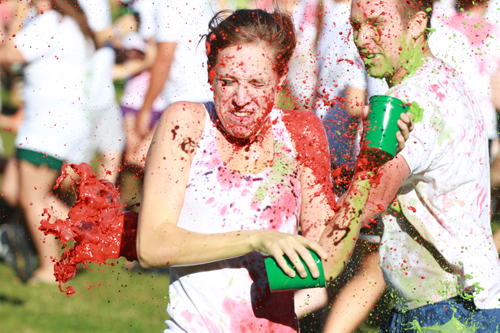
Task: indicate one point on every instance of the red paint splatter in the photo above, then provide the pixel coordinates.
(312, 153)
(435, 88)
(99, 228)
(348, 60)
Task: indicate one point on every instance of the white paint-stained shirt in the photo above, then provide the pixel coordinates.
(485, 49)
(440, 243)
(233, 295)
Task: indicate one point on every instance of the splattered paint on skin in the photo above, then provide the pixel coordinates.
(99, 228)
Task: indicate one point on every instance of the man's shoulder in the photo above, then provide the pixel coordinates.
(433, 80)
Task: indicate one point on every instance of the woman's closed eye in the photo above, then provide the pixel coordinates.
(225, 81)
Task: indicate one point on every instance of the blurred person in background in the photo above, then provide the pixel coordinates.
(484, 36)
(16, 249)
(179, 68)
(54, 46)
(140, 46)
(107, 126)
(301, 79)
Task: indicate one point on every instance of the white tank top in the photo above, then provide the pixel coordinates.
(233, 295)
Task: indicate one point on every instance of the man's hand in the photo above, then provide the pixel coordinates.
(405, 125)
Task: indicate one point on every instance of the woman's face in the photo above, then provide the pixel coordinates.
(245, 85)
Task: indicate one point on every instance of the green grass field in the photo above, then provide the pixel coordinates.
(126, 301)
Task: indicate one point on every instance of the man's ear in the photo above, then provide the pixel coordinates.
(417, 25)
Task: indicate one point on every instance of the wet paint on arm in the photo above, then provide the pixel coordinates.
(318, 200)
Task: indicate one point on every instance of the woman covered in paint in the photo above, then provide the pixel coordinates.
(229, 182)
(53, 47)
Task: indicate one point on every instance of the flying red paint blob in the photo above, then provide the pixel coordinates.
(95, 222)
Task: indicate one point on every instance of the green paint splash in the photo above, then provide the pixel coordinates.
(452, 326)
(416, 112)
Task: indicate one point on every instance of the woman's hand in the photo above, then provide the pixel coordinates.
(278, 244)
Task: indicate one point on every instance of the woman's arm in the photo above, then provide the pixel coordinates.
(134, 66)
(9, 53)
(160, 241)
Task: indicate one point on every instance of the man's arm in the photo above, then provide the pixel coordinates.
(368, 196)
(159, 75)
(388, 180)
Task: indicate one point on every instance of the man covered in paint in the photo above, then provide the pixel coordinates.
(437, 251)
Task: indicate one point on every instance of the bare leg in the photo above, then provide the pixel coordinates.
(35, 189)
(354, 302)
(10, 182)
(109, 165)
(137, 147)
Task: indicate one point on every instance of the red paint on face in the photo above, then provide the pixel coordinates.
(99, 228)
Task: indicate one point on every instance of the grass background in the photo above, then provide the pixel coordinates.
(125, 301)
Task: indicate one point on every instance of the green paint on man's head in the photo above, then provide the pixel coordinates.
(390, 44)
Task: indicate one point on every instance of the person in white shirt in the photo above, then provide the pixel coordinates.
(53, 46)
(108, 129)
(436, 251)
(179, 68)
(137, 85)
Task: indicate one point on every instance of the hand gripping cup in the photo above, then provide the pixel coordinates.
(279, 281)
(380, 141)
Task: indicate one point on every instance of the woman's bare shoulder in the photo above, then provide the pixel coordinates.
(184, 119)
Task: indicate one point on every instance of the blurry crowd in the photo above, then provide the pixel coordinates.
(61, 61)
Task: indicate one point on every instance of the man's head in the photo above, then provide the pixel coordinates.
(390, 34)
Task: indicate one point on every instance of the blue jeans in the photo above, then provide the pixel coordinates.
(341, 132)
(452, 315)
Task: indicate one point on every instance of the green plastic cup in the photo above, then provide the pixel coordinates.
(279, 281)
(380, 140)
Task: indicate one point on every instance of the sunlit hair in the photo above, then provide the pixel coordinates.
(466, 4)
(72, 8)
(247, 26)
(409, 8)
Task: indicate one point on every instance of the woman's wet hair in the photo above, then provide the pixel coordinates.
(248, 26)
